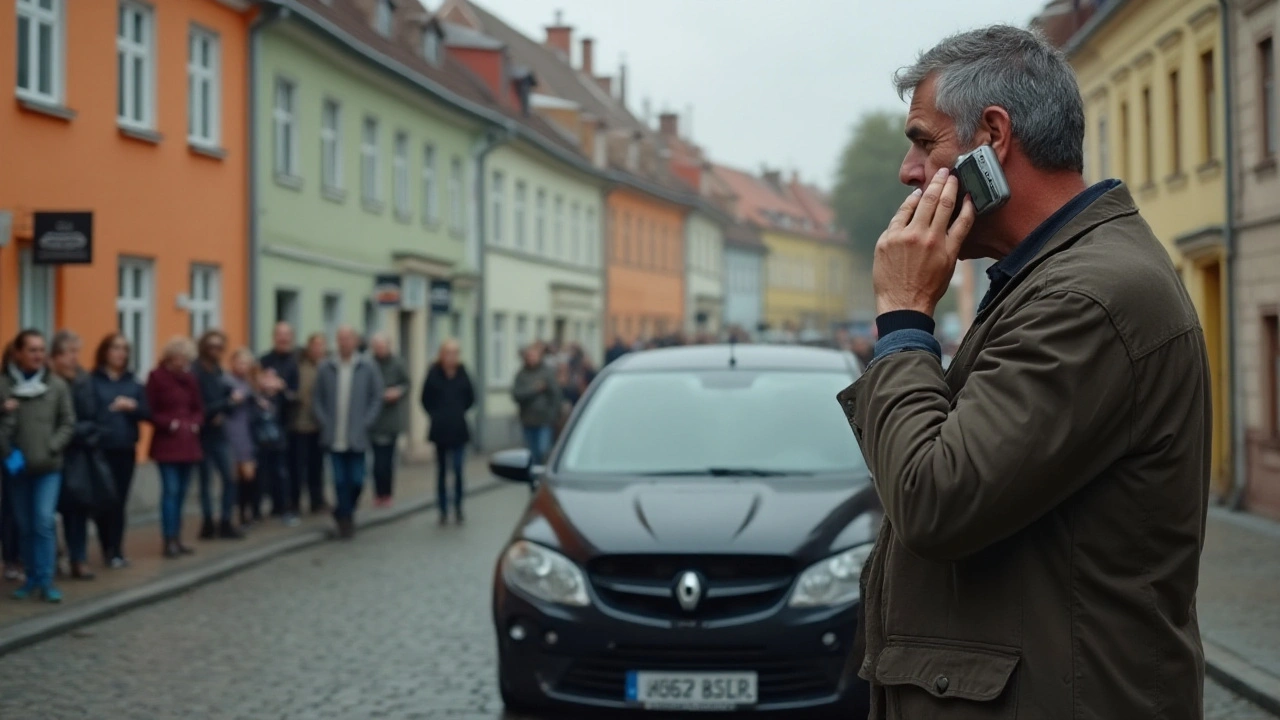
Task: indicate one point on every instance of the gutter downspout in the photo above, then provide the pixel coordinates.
(256, 27)
(494, 137)
(1235, 497)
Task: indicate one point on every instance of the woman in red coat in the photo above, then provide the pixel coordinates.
(176, 415)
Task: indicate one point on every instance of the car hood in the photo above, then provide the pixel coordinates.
(798, 516)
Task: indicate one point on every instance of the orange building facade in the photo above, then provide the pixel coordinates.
(156, 153)
(645, 275)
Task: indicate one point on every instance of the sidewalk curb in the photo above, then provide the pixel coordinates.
(1242, 678)
(30, 632)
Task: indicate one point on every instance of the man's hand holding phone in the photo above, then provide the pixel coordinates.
(916, 255)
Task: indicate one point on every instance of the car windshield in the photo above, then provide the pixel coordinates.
(717, 422)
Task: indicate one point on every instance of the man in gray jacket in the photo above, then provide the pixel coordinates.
(538, 396)
(392, 417)
(346, 402)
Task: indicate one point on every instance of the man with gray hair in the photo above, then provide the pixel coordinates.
(392, 418)
(1044, 497)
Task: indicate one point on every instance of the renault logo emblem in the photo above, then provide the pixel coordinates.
(689, 591)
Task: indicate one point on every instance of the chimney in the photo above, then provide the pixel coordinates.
(560, 36)
(669, 124)
(622, 81)
(588, 64)
(606, 83)
(774, 178)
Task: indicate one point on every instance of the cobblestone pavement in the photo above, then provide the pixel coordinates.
(392, 625)
(1239, 596)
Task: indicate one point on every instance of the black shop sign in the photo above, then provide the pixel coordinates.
(62, 238)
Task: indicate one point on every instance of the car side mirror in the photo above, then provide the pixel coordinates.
(515, 465)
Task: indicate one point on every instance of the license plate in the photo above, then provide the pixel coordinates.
(691, 690)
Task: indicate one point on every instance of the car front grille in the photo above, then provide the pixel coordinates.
(778, 680)
(731, 585)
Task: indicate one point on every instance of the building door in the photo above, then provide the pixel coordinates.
(405, 345)
(558, 337)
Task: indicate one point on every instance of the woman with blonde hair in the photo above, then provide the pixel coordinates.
(243, 382)
(177, 414)
(447, 395)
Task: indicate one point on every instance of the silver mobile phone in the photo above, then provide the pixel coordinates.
(982, 179)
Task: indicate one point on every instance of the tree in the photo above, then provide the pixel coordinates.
(867, 189)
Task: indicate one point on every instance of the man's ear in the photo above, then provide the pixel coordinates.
(998, 127)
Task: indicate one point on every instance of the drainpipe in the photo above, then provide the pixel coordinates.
(266, 17)
(493, 137)
(1235, 498)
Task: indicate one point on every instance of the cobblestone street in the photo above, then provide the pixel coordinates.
(393, 625)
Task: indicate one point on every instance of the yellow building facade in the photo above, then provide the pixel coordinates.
(1150, 74)
(809, 282)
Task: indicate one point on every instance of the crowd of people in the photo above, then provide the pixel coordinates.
(252, 430)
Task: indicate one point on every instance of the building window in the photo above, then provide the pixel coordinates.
(331, 312)
(288, 307)
(40, 58)
(1208, 82)
(593, 238)
(495, 232)
(1175, 124)
(331, 145)
(135, 66)
(372, 318)
(205, 302)
(519, 220)
(1270, 113)
(370, 180)
(284, 120)
(540, 222)
(135, 308)
(498, 349)
(541, 332)
(203, 86)
(430, 189)
(431, 46)
(575, 233)
(35, 293)
(1148, 146)
(400, 175)
(1271, 372)
(557, 229)
(1104, 154)
(457, 201)
(384, 12)
(1123, 150)
(522, 332)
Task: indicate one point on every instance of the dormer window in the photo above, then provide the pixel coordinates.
(431, 46)
(382, 14)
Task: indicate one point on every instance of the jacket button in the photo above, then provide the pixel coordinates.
(942, 683)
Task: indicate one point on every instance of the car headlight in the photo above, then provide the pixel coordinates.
(544, 574)
(833, 581)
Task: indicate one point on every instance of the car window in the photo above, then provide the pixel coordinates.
(773, 421)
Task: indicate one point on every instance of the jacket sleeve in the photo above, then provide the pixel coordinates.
(428, 399)
(215, 398)
(143, 411)
(469, 392)
(161, 411)
(320, 398)
(64, 421)
(374, 408)
(523, 389)
(1046, 408)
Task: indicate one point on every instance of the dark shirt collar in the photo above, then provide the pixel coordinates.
(1008, 268)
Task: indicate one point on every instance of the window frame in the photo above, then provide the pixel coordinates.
(210, 76)
(592, 237)
(205, 312)
(370, 165)
(1175, 122)
(575, 232)
(142, 303)
(400, 175)
(384, 13)
(128, 52)
(1209, 94)
(498, 348)
(331, 175)
(430, 185)
(498, 181)
(519, 210)
(1268, 104)
(35, 280)
(330, 325)
(457, 198)
(284, 127)
(540, 221)
(35, 17)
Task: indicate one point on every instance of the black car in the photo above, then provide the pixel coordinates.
(695, 541)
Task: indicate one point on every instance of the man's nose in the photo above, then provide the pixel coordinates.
(911, 172)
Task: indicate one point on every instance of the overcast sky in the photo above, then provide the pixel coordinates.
(769, 82)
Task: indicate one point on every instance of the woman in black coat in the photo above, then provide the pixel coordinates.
(447, 395)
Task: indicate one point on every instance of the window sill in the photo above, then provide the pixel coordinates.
(41, 107)
(333, 194)
(1176, 181)
(204, 150)
(1266, 166)
(1209, 169)
(150, 137)
(293, 182)
(373, 206)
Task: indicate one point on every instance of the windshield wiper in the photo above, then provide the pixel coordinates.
(722, 472)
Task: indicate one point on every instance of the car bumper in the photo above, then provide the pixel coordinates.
(581, 656)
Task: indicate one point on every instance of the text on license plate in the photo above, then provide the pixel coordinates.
(691, 690)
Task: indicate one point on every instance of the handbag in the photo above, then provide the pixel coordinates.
(87, 484)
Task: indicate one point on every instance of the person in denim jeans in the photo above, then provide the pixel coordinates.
(538, 396)
(36, 424)
(346, 402)
(447, 395)
(177, 413)
(220, 400)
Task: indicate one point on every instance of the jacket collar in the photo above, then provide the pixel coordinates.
(1115, 203)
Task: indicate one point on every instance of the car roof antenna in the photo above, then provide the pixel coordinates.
(733, 343)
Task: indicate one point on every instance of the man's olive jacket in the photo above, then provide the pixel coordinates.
(1044, 497)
